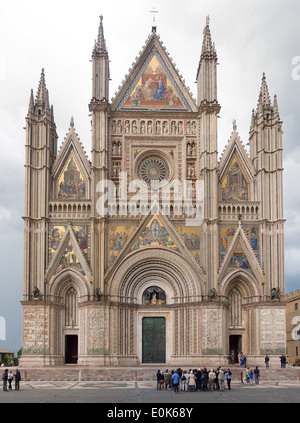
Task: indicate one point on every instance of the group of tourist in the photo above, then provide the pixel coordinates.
(248, 374)
(194, 380)
(8, 377)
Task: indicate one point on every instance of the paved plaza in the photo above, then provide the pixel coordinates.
(115, 392)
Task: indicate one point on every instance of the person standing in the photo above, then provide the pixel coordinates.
(283, 361)
(267, 360)
(4, 378)
(228, 377)
(10, 379)
(192, 383)
(211, 380)
(251, 377)
(256, 375)
(17, 379)
(168, 380)
(175, 379)
(204, 379)
(184, 382)
(158, 377)
(221, 378)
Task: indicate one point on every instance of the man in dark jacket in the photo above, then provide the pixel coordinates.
(5, 378)
(17, 380)
(204, 379)
(198, 380)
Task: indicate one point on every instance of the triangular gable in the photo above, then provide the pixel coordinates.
(71, 170)
(69, 255)
(236, 172)
(241, 256)
(154, 84)
(235, 146)
(56, 235)
(154, 231)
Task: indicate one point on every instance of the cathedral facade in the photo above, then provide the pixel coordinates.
(154, 250)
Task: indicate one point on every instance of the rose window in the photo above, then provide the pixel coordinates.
(153, 168)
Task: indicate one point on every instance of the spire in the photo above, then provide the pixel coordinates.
(264, 97)
(207, 46)
(42, 96)
(31, 103)
(206, 77)
(100, 44)
(275, 104)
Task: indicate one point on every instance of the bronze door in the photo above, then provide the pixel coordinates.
(154, 340)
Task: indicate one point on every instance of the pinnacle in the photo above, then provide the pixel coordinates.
(31, 102)
(100, 44)
(264, 97)
(42, 95)
(207, 45)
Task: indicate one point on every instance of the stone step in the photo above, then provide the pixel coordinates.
(76, 373)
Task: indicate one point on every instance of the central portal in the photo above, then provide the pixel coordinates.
(154, 340)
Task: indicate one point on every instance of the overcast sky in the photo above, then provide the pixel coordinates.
(251, 37)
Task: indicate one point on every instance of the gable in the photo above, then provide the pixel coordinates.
(155, 235)
(234, 186)
(71, 182)
(56, 235)
(68, 249)
(154, 84)
(240, 251)
(71, 170)
(154, 231)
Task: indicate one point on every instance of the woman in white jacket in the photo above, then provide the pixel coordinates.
(192, 381)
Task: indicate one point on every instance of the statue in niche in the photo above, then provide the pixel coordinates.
(149, 127)
(114, 127)
(119, 127)
(180, 128)
(120, 149)
(143, 129)
(127, 127)
(115, 169)
(165, 127)
(188, 127)
(153, 298)
(193, 150)
(134, 127)
(158, 127)
(188, 149)
(191, 171)
(154, 295)
(194, 128)
(114, 148)
(173, 128)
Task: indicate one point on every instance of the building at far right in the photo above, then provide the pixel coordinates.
(293, 327)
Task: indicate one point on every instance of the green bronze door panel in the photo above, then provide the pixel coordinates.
(154, 340)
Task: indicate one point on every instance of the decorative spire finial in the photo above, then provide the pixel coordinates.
(264, 97)
(100, 44)
(234, 125)
(154, 22)
(207, 45)
(72, 122)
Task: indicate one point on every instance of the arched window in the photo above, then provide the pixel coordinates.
(154, 295)
(71, 307)
(235, 301)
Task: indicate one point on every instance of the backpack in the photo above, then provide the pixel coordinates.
(183, 377)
